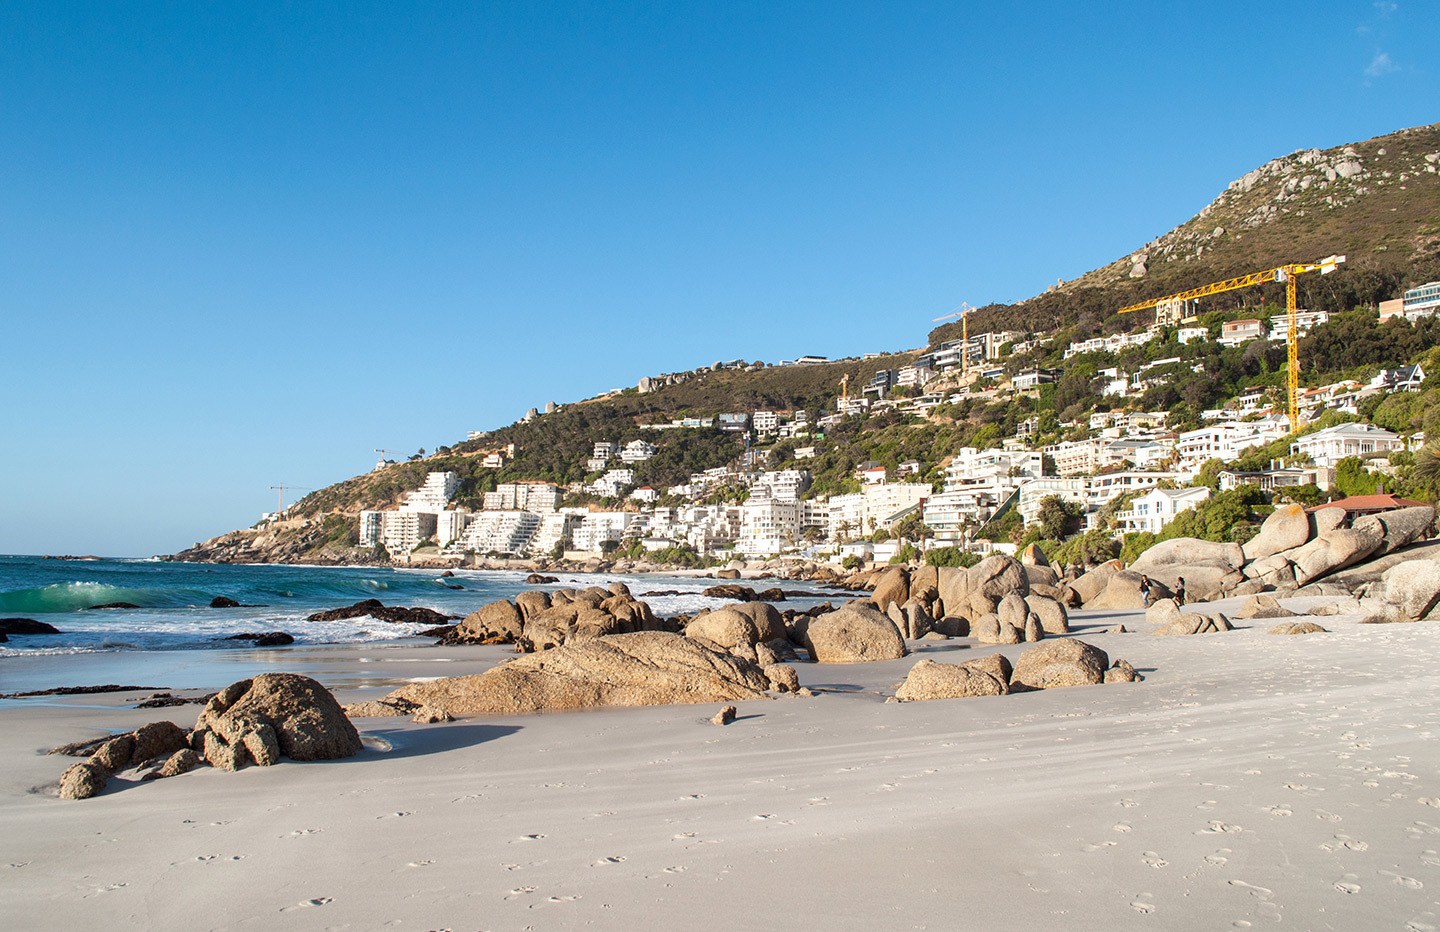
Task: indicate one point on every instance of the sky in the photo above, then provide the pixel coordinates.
(247, 244)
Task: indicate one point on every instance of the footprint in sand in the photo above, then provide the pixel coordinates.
(1219, 828)
(535, 837)
(306, 904)
(1100, 846)
(606, 862)
(1263, 893)
(520, 891)
(682, 836)
(686, 799)
(1207, 806)
(1121, 827)
(1280, 810)
(1428, 801)
(1324, 816)
(1347, 884)
(425, 863)
(1400, 880)
(1420, 925)
(1128, 803)
(1153, 859)
(1143, 904)
(394, 815)
(108, 888)
(301, 831)
(1218, 859)
(1430, 858)
(818, 801)
(1345, 841)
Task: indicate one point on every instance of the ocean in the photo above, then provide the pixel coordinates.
(174, 632)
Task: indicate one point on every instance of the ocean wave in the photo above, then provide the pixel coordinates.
(77, 596)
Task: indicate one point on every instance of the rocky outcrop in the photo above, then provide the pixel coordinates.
(272, 715)
(1412, 588)
(724, 629)
(374, 608)
(1060, 662)
(121, 752)
(644, 668)
(853, 634)
(984, 676)
(1193, 623)
(1051, 615)
(1286, 528)
(892, 587)
(1188, 552)
(26, 626)
(1263, 606)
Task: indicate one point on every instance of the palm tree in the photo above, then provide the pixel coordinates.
(1426, 470)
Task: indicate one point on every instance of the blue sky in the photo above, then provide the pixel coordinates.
(248, 243)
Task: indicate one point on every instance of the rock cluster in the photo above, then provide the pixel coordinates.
(155, 743)
(539, 620)
(270, 716)
(374, 608)
(1051, 665)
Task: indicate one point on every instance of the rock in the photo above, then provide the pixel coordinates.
(724, 717)
(1263, 606)
(182, 761)
(115, 754)
(1042, 576)
(782, 677)
(109, 605)
(307, 722)
(1412, 587)
(923, 578)
(896, 614)
(997, 576)
(644, 668)
(426, 715)
(1117, 629)
(1325, 520)
(83, 780)
(1089, 586)
(1032, 555)
(1121, 672)
(1013, 610)
(1298, 627)
(157, 739)
(1398, 528)
(535, 579)
(892, 586)
(1122, 591)
(499, 620)
(1188, 552)
(1060, 662)
(26, 626)
(1332, 551)
(374, 608)
(1194, 624)
(725, 628)
(953, 584)
(1287, 527)
(727, 574)
(1033, 630)
(1163, 612)
(853, 634)
(737, 593)
(918, 622)
(261, 745)
(528, 604)
(221, 601)
(1052, 615)
(985, 629)
(984, 676)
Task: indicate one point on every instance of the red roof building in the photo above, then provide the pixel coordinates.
(1369, 504)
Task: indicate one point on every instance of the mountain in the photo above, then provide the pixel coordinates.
(1376, 202)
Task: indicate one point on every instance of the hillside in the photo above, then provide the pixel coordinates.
(1376, 202)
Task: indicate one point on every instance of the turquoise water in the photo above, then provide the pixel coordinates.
(173, 601)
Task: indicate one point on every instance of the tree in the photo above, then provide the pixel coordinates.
(1057, 518)
(1352, 478)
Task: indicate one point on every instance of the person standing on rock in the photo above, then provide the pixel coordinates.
(1180, 590)
(1145, 591)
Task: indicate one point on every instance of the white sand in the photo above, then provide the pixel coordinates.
(1250, 780)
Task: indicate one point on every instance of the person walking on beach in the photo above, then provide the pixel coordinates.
(1180, 590)
(1145, 591)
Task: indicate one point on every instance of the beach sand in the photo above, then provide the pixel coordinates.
(1250, 780)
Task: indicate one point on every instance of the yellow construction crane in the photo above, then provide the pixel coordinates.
(280, 498)
(844, 390)
(1284, 273)
(962, 312)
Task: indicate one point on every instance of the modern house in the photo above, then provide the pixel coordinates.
(1333, 444)
(1158, 507)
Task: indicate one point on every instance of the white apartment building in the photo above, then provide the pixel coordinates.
(450, 525)
(1090, 492)
(541, 497)
(1333, 444)
(402, 531)
(785, 485)
(916, 376)
(765, 422)
(1158, 507)
(885, 502)
(503, 532)
(637, 451)
(594, 528)
(768, 526)
(1235, 332)
(847, 517)
(554, 530)
(1189, 334)
(613, 483)
(434, 495)
(1110, 344)
(605, 450)
(371, 525)
(1223, 442)
(1305, 321)
(646, 495)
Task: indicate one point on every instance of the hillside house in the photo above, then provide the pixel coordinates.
(1158, 507)
(1333, 444)
(1235, 332)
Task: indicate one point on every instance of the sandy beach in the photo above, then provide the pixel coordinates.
(1250, 780)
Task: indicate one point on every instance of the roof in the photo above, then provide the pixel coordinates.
(1385, 502)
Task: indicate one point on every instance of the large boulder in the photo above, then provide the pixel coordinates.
(1032, 555)
(1041, 576)
(1050, 612)
(853, 634)
(725, 628)
(644, 668)
(1122, 592)
(1194, 623)
(917, 620)
(1203, 581)
(922, 578)
(1412, 587)
(1325, 520)
(1089, 586)
(1332, 551)
(1060, 662)
(954, 585)
(1287, 527)
(995, 577)
(1163, 612)
(891, 586)
(530, 603)
(984, 676)
(1263, 606)
(550, 628)
(1298, 627)
(1188, 552)
(307, 722)
(146, 744)
(1398, 528)
(497, 621)
(769, 623)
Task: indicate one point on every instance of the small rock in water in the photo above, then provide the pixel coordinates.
(724, 717)
(221, 601)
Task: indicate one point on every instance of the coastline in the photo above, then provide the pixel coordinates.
(1249, 779)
